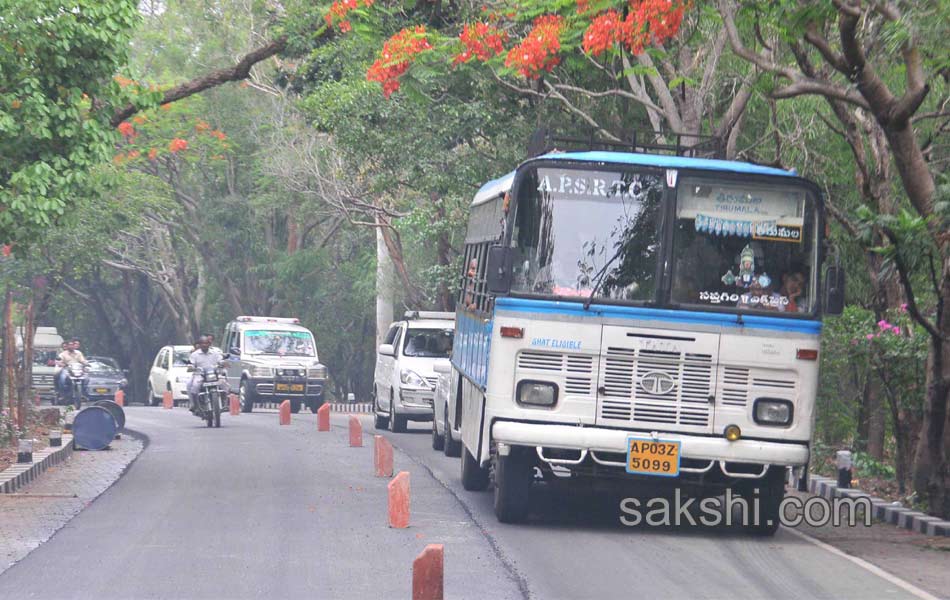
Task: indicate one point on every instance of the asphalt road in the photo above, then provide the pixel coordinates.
(255, 510)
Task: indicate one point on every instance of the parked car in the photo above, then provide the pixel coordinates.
(274, 359)
(169, 373)
(105, 378)
(405, 381)
(444, 437)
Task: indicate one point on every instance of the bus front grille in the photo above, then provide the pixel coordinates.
(628, 396)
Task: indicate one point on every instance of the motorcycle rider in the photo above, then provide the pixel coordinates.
(71, 354)
(203, 358)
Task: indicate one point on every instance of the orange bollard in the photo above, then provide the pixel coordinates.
(428, 574)
(399, 501)
(323, 418)
(285, 412)
(167, 400)
(120, 397)
(235, 405)
(356, 433)
(382, 456)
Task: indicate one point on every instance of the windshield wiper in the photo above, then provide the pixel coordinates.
(601, 276)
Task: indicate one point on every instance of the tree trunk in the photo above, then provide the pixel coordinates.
(932, 463)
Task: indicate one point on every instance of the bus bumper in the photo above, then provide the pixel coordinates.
(594, 439)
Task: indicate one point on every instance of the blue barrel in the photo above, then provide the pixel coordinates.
(115, 410)
(94, 428)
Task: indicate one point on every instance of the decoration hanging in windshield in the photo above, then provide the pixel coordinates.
(747, 277)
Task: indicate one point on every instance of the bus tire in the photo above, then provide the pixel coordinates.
(474, 477)
(513, 477)
(771, 493)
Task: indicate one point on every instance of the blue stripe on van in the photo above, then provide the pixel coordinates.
(576, 309)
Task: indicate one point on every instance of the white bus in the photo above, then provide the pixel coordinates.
(641, 317)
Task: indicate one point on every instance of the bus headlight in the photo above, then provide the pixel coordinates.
(537, 393)
(318, 372)
(772, 411)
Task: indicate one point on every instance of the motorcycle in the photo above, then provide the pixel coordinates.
(210, 403)
(75, 385)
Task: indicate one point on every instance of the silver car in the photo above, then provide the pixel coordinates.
(273, 359)
(445, 435)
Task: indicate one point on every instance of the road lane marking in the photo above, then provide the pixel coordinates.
(906, 586)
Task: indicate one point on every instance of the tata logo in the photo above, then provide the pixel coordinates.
(657, 383)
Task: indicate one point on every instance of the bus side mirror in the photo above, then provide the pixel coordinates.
(498, 272)
(235, 351)
(834, 291)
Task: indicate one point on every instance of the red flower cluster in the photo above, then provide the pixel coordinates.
(538, 51)
(649, 21)
(398, 53)
(126, 129)
(178, 144)
(481, 41)
(339, 10)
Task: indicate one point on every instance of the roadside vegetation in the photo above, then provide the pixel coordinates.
(137, 212)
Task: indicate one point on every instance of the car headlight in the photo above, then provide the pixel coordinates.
(318, 372)
(123, 382)
(183, 379)
(262, 371)
(771, 411)
(537, 393)
(408, 377)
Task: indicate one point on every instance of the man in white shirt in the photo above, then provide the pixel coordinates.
(205, 357)
(69, 355)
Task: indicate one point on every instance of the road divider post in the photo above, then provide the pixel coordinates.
(323, 418)
(285, 412)
(382, 456)
(399, 501)
(428, 574)
(234, 405)
(167, 400)
(120, 397)
(356, 433)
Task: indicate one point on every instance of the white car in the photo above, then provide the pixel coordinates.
(405, 380)
(444, 436)
(169, 373)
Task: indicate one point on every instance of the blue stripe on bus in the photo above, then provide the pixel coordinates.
(670, 162)
(576, 309)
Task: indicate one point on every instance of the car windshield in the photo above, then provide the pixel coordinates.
(44, 358)
(280, 343)
(97, 366)
(744, 245)
(181, 358)
(573, 227)
(428, 343)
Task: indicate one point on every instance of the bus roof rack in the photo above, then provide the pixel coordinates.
(251, 319)
(543, 141)
(428, 314)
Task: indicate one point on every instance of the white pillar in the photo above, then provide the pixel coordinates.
(385, 274)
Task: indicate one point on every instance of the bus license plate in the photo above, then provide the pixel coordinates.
(653, 457)
(289, 387)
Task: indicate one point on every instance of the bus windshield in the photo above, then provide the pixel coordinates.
(574, 227)
(750, 246)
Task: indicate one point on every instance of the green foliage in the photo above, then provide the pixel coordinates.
(57, 62)
(866, 465)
